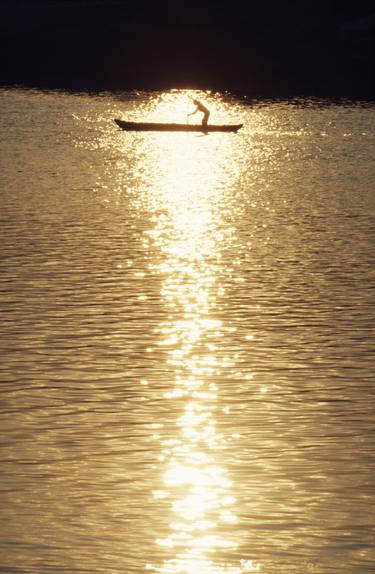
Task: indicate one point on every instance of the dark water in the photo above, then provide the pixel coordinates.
(187, 344)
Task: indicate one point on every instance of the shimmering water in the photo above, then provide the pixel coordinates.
(187, 337)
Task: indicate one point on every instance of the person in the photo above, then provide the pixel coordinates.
(201, 108)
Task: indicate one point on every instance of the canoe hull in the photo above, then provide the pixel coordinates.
(164, 127)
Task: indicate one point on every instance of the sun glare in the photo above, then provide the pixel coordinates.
(186, 178)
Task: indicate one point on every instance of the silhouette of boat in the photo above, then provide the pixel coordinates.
(164, 127)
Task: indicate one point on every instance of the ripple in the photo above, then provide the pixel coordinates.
(187, 337)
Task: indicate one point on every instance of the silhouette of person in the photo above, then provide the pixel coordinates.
(201, 108)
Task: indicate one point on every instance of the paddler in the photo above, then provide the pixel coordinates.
(201, 108)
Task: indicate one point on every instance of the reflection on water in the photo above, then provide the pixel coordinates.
(189, 233)
(187, 337)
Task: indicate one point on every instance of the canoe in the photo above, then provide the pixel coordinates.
(155, 127)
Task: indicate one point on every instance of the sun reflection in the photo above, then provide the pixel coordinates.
(186, 194)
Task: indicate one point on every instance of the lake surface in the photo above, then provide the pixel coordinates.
(187, 350)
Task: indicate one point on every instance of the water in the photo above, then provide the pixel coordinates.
(187, 337)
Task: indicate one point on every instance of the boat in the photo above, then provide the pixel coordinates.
(165, 127)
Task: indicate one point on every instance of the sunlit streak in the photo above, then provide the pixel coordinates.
(186, 195)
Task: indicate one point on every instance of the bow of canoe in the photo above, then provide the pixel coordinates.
(167, 127)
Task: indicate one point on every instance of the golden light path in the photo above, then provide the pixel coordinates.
(188, 196)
